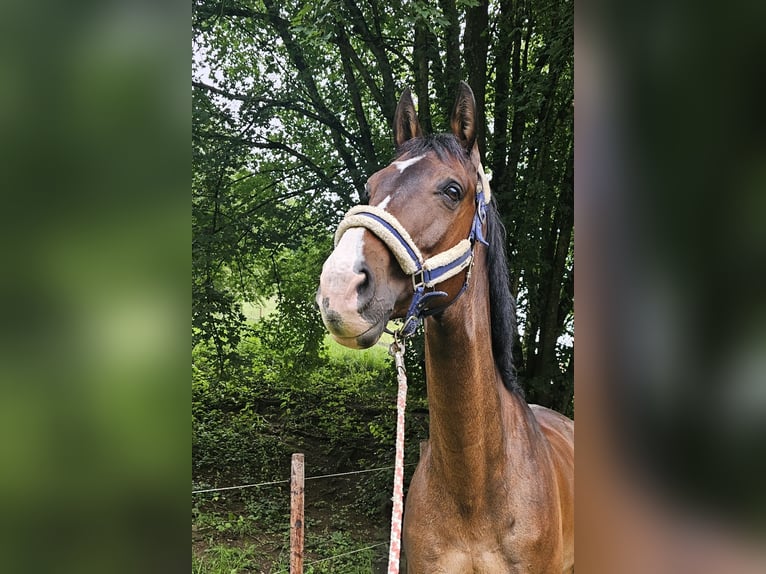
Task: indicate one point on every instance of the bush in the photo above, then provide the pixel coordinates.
(336, 405)
(246, 425)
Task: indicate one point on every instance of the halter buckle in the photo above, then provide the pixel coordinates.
(418, 279)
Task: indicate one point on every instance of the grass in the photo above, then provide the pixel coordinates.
(324, 553)
(221, 559)
(374, 357)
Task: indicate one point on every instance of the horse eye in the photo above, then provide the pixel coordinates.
(453, 192)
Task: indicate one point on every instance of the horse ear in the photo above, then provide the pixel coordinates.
(464, 117)
(406, 124)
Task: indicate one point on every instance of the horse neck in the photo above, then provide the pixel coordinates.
(468, 403)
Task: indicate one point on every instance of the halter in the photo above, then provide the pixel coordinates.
(425, 273)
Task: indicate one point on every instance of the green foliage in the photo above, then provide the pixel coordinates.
(244, 514)
(292, 107)
(230, 439)
(326, 553)
(339, 408)
(296, 329)
(273, 400)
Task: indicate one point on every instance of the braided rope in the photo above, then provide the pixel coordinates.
(397, 350)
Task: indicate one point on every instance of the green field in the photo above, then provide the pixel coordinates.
(256, 311)
(373, 356)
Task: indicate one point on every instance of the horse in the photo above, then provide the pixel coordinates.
(494, 488)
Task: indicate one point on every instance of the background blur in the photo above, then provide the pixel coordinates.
(670, 205)
(94, 287)
(670, 212)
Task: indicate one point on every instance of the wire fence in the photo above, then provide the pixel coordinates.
(286, 480)
(318, 477)
(314, 562)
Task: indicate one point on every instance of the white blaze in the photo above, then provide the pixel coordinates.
(404, 164)
(339, 283)
(342, 264)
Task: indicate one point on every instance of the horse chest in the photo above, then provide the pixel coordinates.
(439, 538)
(438, 541)
(477, 559)
(466, 557)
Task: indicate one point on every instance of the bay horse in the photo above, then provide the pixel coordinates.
(494, 488)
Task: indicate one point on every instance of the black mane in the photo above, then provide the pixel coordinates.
(501, 303)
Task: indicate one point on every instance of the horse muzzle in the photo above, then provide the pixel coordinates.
(355, 306)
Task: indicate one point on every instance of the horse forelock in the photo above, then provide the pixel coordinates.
(446, 147)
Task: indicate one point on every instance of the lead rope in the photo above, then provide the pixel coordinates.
(397, 350)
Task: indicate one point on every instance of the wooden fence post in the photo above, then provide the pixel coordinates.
(296, 514)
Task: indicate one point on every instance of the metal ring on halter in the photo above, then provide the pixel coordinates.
(418, 279)
(408, 327)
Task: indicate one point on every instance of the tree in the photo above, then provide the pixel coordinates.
(293, 109)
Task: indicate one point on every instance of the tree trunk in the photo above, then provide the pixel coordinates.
(476, 45)
(420, 56)
(519, 96)
(452, 72)
(549, 331)
(378, 48)
(503, 54)
(368, 150)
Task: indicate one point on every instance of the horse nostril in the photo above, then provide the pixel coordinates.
(365, 288)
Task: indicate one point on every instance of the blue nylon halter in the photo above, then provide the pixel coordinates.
(423, 276)
(417, 311)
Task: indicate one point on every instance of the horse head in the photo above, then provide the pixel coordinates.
(424, 214)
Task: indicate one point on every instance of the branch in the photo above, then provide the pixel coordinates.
(220, 91)
(211, 11)
(295, 53)
(378, 48)
(273, 145)
(280, 104)
(346, 56)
